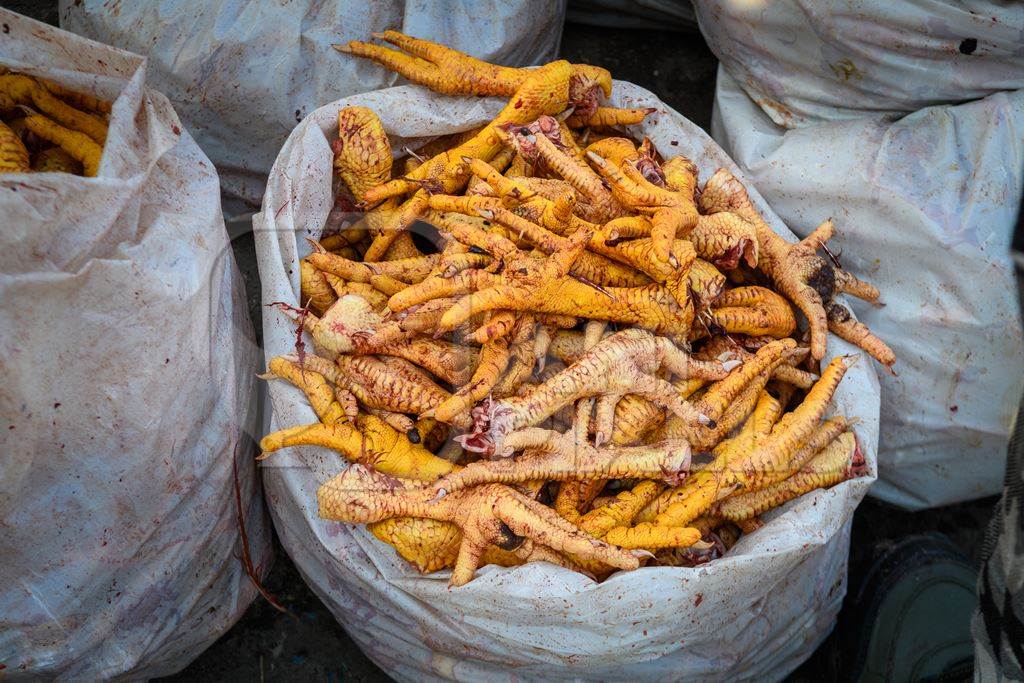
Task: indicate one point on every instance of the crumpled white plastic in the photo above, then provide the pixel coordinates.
(127, 362)
(926, 203)
(758, 612)
(926, 206)
(243, 73)
(808, 61)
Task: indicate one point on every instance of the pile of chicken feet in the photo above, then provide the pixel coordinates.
(540, 341)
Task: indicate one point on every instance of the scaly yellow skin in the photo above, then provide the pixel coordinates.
(362, 153)
(391, 219)
(374, 298)
(843, 325)
(346, 328)
(600, 268)
(621, 511)
(451, 72)
(829, 467)
(725, 240)
(348, 402)
(430, 545)
(534, 142)
(575, 496)
(706, 283)
(822, 436)
(26, 90)
(494, 357)
(486, 237)
(521, 358)
(378, 385)
(624, 363)
(491, 513)
(318, 391)
(720, 396)
(796, 270)
(654, 537)
(374, 444)
(397, 421)
(749, 310)
(78, 145)
(498, 324)
(730, 401)
(402, 248)
(641, 254)
(696, 495)
(314, 290)
(56, 160)
(608, 117)
(767, 459)
(776, 451)
(615, 149)
(722, 239)
(652, 307)
(619, 419)
(13, 155)
(636, 416)
(443, 287)
(734, 347)
(673, 211)
(544, 91)
(551, 456)
(520, 259)
(77, 99)
(376, 274)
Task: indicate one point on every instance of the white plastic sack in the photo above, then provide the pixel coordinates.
(243, 73)
(127, 362)
(804, 61)
(756, 613)
(924, 208)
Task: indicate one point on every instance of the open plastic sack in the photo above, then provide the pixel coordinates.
(757, 612)
(128, 364)
(805, 61)
(929, 202)
(243, 73)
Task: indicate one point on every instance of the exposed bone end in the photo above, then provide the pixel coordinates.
(677, 465)
(731, 365)
(858, 463)
(596, 158)
(491, 422)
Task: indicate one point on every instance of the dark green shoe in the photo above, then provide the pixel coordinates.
(912, 614)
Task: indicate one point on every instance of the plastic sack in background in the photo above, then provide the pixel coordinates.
(243, 73)
(128, 360)
(804, 61)
(757, 612)
(927, 205)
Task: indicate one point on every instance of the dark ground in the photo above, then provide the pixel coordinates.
(309, 644)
